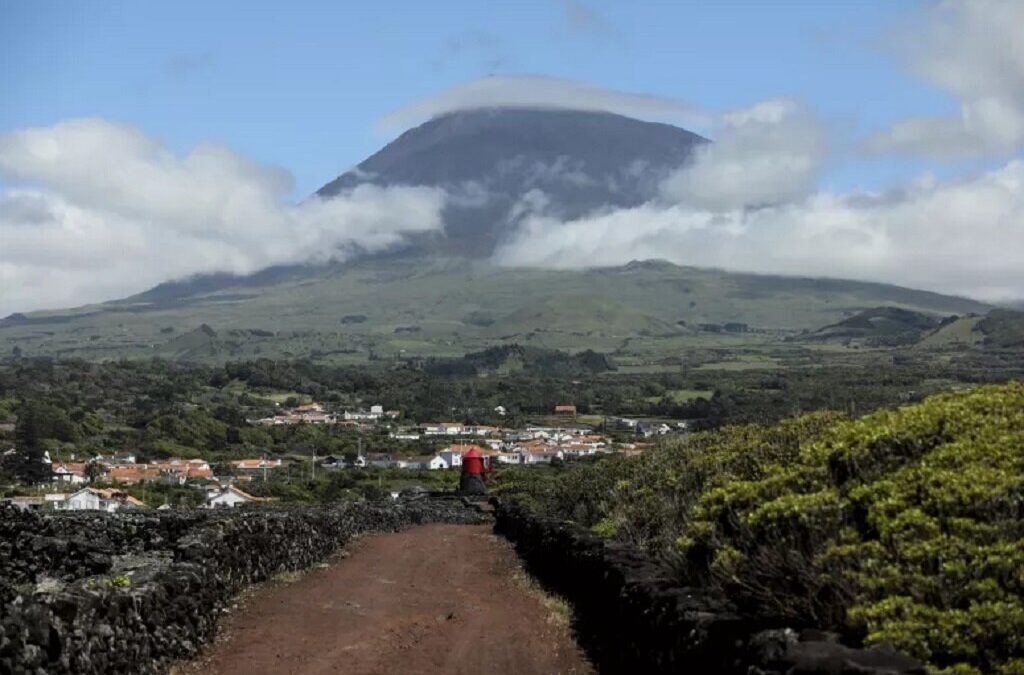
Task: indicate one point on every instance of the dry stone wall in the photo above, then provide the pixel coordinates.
(631, 617)
(135, 592)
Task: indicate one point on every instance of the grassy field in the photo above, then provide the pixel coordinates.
(685, 395)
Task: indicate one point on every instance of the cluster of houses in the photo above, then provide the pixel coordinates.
(110, 500)
(314, 413)
(531, 445)
(124, 471)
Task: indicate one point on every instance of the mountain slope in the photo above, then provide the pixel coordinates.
(450, 306)
(442, 296)
(882, 326)
(490, 159)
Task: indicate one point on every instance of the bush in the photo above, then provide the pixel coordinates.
(906, 525)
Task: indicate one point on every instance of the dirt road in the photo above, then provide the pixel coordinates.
(433, 599)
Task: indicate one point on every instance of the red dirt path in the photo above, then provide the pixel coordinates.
(433, 599)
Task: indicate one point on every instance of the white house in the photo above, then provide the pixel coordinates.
(541, 456)
(452, 457)
(430, 462)
(69, 472)
(229, 497)
(376, 412)
(442, 429)
(94, 499)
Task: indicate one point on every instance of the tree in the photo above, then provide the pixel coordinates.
(93, 471)
(28, 463)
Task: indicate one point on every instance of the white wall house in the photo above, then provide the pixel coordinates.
(73, 474)
(229, 497)
(542, 457)
(434, 463)
(452, 458)
(94, 499)
(443, 429)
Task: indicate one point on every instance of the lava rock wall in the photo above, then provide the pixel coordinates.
(135, 592)
(632, 617)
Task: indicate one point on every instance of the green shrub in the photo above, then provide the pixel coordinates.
(906, 525)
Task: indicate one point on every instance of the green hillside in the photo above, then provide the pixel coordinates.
(391, 307)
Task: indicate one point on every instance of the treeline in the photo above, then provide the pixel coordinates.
(160, 408)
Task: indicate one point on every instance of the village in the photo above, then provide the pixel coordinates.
(75, 484)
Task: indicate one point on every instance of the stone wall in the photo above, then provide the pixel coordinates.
(135, 592)
(632, 617)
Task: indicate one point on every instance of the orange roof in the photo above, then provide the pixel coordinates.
(110, 493)
(133, 472)
(242, 493)
(256, 463)
(462, 449)
(73, 467)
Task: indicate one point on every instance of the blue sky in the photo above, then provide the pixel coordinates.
(301, 84)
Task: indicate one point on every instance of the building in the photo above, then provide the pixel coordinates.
(375, 413)
(428, 462)
(565, 409)
(230, 496)
(255, 466)
(36, 502)
(95, 499)
(130, 474)
(442, 429)
(72, 473)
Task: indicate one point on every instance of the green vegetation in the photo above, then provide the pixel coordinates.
(904, 525)
(371, 310)
(158, 409)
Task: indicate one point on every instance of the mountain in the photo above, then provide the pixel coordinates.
(491, 159)
(421, 306)
(443, 297)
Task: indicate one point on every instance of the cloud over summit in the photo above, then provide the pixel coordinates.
(750, 202)
(540, 91)
(101, 210)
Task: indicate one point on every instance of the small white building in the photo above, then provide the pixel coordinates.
(443, 429)
(429, 462)
(95, 499)
(69, 472)
(452, 457)
(229, 497)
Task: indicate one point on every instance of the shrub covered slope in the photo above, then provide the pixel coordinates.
(905, 525)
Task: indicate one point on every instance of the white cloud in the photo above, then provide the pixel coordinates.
(974, 49)
(103, 210)
(537, 91)
(751, 205)
(767, 154)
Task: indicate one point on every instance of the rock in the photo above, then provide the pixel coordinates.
(145, 589)
(631, 617)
